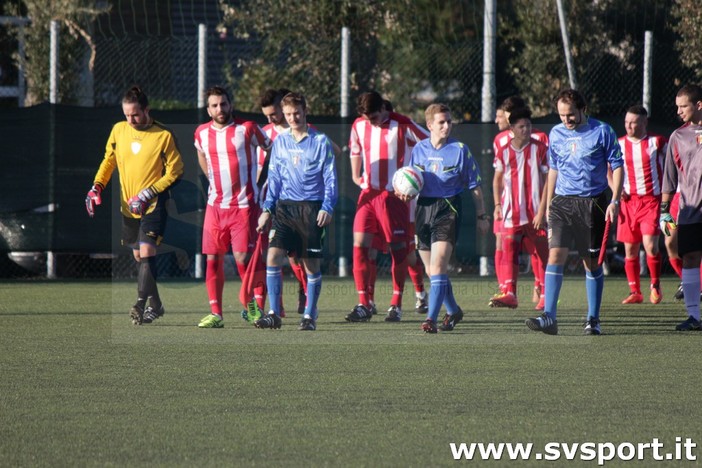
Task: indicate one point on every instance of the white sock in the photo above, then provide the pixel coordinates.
(691, 289)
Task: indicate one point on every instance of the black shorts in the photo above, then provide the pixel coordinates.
(689, 238)
(295, 228)
(579, 220)
(148, 229)
(437, 220)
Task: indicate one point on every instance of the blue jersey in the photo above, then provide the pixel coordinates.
(302, 170)
(580, 156)
(447, 171)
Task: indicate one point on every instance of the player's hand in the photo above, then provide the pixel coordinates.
(323, 218)
(667, 223)
(139, 203)
(498, 212)
(93, 198)
(612, 212)
(538, 221)
(263, 221)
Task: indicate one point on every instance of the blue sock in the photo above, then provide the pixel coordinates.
(450, 299)
(554, 281)
(691, 288)
(594, 285)
(314, 287)
(274, 283)
(437, 292)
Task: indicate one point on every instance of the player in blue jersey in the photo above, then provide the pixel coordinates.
(580, 150)
(302, 193)
(448, 168)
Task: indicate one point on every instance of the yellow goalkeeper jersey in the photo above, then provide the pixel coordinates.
(143, 158)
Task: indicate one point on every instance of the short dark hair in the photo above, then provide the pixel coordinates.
(511, 103)
(571, 96)
(637, 109)
(518, 114)
(136, 95)
(388, 105)
(272, 97)
(217, 91)
(294, 99)
(692, 91)
(369, 102)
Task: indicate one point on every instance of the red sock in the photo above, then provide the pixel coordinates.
(361, 273)
(372, 277)
(510, 264)
(676, 263)
(498, 268)
(654, 268)
(300, 274)
(399, 274)
(214, 282)
(632, 268)
(416, 273)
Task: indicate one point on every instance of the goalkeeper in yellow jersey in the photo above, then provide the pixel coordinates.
(147, 158)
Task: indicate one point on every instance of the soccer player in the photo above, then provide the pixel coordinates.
(149, 163)
(501, 139)
(380, 143)
(227, 154)
(520, 203)
(448, 168)
(302, 193)
(683, 167)
(641, 199)
(577, 207)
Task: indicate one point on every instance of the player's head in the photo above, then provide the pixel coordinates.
(135, 106)
(439, 123)
(636, 121)
(571, 106)
(295, 110)
(270, 105)
(689, 103)
(371, 106)
(219, 105)
(520, 125)
(505, 108)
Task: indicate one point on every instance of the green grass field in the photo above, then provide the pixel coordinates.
(81, 386)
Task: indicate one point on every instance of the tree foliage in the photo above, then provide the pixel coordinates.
(687, 16)
(75, 18)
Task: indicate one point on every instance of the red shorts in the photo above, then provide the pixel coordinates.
(235, 227)
(498, 227)
(527, 230)
(381, 213)
(675, 206)
(638, 217)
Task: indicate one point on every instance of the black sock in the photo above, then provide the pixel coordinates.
(146, 282)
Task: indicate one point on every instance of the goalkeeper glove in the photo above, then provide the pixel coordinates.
(138, 204)
(666, 221)
(93, 198)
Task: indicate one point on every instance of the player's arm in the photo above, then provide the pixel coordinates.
(356, 165)
(273, 191)
(202, 161)
(331, 192)
(497, 188)
(540, 216)
(613, 208)
(172, 165)
(550, 188)
(103, 175)
(483, 220)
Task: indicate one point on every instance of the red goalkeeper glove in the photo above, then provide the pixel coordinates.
(93, 198)
(138, 204)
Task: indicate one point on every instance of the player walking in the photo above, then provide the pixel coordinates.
(302, 193)
(520, 182)
(580, 150)
(147, 158)
(227, 153)
(641, 199)
(380, 142)
(448, 168)
(683, 167)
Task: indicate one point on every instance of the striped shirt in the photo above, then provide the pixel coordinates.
(232, 164)
(523, 181)
(384, 148)
(643, 164)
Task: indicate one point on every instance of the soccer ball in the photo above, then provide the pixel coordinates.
(408, 181)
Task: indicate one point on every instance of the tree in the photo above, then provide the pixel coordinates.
(75, 18)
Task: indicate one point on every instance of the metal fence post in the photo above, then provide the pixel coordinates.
(53, 99)
(344, 112)
(647, 71)
(201, 86)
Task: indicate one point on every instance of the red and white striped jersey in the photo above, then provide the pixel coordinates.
(232, 161)
(523, 181)
(271, 131)
(643, 164)
(505, 136)
(384, 148)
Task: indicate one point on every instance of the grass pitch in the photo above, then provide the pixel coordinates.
(81, 386)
